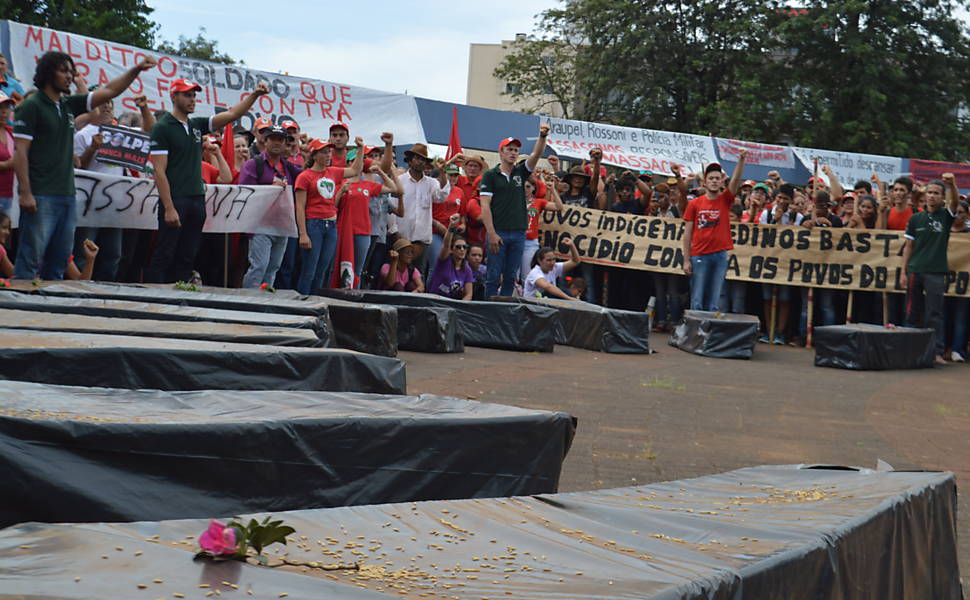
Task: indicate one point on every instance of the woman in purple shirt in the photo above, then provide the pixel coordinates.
(452, 277)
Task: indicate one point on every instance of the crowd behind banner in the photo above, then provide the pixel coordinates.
(273, 206)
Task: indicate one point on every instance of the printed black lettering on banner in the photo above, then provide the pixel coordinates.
(124, 147)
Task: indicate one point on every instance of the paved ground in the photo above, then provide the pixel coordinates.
(673, 415)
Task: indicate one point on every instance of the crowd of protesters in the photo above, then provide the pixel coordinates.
(458, 227)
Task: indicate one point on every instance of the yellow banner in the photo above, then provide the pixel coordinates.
(837, 258)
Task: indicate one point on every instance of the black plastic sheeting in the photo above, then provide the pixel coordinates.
(129, 362)
(95, 454)
(525, 327)
(717, 335)
(369, 329)
(97, 307)
(593, 327)
(213, 332)
(752, 534)
(872, 347)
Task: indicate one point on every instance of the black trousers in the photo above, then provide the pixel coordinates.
(176, 247)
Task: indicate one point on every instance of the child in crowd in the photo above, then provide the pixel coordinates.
(577, 287)
(545, 272)
(398, 274)
(476, 257)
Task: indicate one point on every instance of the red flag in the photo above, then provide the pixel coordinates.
(343, 276)
(454, 144)
(229, 150)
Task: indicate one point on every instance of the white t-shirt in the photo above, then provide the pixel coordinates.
(530, 290)
(82, 141)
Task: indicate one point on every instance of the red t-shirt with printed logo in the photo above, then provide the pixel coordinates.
(533, 211)
(358, 195)
(712, 225)
(454, 204)
(321, 191)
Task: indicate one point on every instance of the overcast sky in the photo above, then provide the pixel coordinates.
(420, 48)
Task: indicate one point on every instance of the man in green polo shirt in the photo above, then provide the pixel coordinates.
(504, 214)
(176, 153)
(44, 162)
(924, 258)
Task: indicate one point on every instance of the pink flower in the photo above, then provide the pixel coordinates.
(218, 539)
(263, 286)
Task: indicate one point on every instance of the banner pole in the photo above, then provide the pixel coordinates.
(885, 309)
(774, 310)
(225, 260)
(848, 308)
(810, 317)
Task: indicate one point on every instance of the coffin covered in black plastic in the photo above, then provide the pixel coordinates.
(96, 454)
(370, 329)
(872, 347)
(717, 335)
(593, 327)
(98, 307)
(187, 330)
(526, 327)
(758, 533)
(131, 362)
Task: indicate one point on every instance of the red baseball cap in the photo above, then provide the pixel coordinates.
(369, 149)
(748, 182)
(184, 85)
(5, 98)
(290, 125)
(507, 141)
(262, 123)
(318, 144)
(340, 125)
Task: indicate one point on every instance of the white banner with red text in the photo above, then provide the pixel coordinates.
(851, 167)
(132, 203)
(631, 148)
(312, 103)
(834, 258)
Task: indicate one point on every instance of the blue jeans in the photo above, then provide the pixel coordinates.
(824, 300)
(108, 240)
(361, 246)
(707, 279)
(317, 262)
(284, 277)
(669, 291)
(504, 264)
(5, 204)
(956, 314)
(265, 257)
(46, 238)
(437, 241)
(734, 296)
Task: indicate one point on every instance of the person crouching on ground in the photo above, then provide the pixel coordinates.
(452, 277)
(399, 274)
(545, 272)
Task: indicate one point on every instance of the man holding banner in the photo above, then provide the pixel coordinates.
(176, 152)
(707, 235)
(44, 161)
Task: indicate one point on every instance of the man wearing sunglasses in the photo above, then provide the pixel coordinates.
(269, 168)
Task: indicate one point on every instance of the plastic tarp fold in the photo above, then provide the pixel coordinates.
(872, 347)
(500, 325)
(98, 307)
(593, 327)
(365, 329)
(96, 454)
(131, 362)
(773, 532)
(717, 335)
(187, 330)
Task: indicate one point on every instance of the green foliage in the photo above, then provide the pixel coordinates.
(121, 21)
(258, 535)
(199, 47)
(186, 287)
(875, 76)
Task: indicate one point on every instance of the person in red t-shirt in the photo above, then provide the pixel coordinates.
(535, 204)
(215, 169)
(356, 206)
(318, 192)
(707, 235)
(339, 136)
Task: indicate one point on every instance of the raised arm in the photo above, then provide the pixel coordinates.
(387, 159)
(835, 186)
(735, 184)
(147, 116)
(358, 164)
(220, 120)
(952, 193)
(116, 86)
(539, 148)
(574, 259)
(595, 183)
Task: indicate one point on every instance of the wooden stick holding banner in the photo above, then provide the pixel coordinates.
(848, 308)
(774, 313)
(810, 316)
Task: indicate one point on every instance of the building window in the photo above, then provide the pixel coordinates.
(511, 88)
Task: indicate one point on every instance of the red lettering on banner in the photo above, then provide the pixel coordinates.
(124, 54)
(263, 101)
(309, 92)
(137, 86)
(35, 35)
(345, 95)
(88, 46)
(215, 98)
(103, 77)
(343, 114)
(287, 109)
(325, 108)
(323, 92)
(82, 69)
(70, 48)
(308, 104)
(54, 43)
(162, 86)
(167, 66)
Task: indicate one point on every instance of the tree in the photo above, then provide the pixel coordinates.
(121, 21)
(873, 76)
(199, 47)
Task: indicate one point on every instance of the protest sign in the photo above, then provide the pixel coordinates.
(834, 258)
(764, 155)
(629, 147)
(131, 203)
(312, 103)
(124, 147)
(850, 167)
